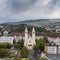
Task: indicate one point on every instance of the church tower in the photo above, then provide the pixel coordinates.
(29, 40)
(33, 35)
(26, 36)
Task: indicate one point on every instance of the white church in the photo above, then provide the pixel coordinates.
(29, 41)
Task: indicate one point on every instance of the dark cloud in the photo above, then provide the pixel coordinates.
(29, 9)
(51, 6)
(23, 5)
(56, 2)
(20, 5)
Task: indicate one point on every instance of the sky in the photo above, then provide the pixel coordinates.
(18, 10)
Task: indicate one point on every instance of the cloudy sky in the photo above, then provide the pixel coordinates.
(18, 10)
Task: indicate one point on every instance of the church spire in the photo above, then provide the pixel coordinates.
(33, 35)
(33, 30)
(26, 36)
(26, 30)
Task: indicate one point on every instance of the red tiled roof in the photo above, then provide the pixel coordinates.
(22, 34)
(15, 34)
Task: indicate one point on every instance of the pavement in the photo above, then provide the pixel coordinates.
(53, 57)
(33, 55)
(2, 59)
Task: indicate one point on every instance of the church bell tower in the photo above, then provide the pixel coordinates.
(33, 35)
(29, 41)
(26, 36)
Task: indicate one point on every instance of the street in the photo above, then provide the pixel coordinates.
(33, 55)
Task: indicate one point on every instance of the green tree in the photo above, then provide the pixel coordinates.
(36, 48)
(5, 45)
(22, 43)
(40, 45)
(19, 59)
(24, 52)
(14, 42)
(46, 40)
(19, 44)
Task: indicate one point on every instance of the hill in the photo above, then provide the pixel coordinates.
(37, 22)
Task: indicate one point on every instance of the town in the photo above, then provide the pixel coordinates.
(29, 29)
(29, 42)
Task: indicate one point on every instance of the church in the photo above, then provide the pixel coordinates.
(29, 41)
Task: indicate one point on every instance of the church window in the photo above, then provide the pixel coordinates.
(29, 45)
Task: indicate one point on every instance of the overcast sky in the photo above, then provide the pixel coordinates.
(18, 10)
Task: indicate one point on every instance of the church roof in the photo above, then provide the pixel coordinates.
(26, 30)
(33, 29)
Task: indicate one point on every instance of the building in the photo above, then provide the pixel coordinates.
(29, 41)
(58, 49)
(58, 30)
(51, 49)
(56, 40)
(5, 38)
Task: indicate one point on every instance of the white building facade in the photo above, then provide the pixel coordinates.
(52, 49)
(5, 38)
(55, 40)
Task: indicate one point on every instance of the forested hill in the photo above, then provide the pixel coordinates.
(36, 22)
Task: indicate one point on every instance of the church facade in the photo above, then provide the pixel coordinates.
(29, 41)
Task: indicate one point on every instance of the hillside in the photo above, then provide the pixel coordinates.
(37, 22)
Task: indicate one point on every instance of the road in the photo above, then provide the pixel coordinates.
(33, 55)
(53, 57)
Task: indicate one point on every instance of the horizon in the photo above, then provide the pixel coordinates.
(22, 10)
(54, 19)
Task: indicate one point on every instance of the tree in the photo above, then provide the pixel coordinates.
(19, 59)
(3, 52)
(24, 52)
(45, 38)
(22, 43)
(14, 42)
(40, 45)
(19, 44)
(35, 48)
(5, 45)
(23, 59)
